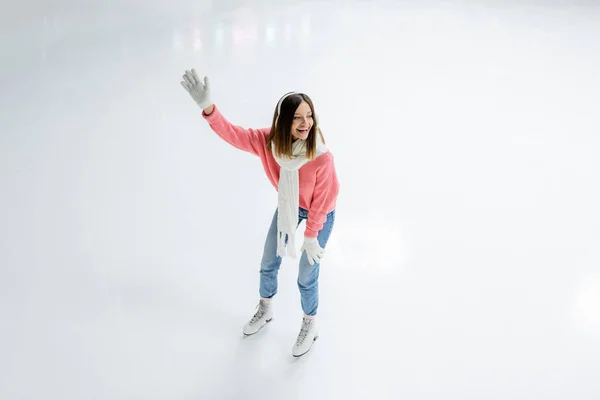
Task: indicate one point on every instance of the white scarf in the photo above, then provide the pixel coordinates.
(289, 194)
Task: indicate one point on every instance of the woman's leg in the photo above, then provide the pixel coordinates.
(308, 275)
(269, 266)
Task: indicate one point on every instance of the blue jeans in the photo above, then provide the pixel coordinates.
(308, 275)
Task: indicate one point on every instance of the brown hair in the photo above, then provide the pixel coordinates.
(281, 129)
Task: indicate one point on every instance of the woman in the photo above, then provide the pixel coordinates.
(300, 167)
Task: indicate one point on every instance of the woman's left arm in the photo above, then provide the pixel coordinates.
(324, 198)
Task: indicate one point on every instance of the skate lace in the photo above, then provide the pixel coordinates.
(303, 332)
(262, 308)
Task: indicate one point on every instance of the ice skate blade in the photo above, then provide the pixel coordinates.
(259, 329)
(300, 355)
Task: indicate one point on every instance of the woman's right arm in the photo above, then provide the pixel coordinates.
(250, 140)
(208, 110)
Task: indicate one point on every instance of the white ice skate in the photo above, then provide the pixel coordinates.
(264, 314)
(308, 334)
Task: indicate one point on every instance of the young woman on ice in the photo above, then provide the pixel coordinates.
(301, 168)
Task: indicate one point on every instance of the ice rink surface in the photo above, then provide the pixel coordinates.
(465, 259)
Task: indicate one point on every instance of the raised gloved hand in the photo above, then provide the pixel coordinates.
(200, 92)
(314, 252)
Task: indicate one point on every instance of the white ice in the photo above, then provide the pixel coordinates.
(465, 259)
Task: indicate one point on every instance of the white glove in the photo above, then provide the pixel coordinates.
(199, 92)
(314, 252)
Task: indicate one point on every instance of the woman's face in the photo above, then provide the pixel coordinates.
(302, 122)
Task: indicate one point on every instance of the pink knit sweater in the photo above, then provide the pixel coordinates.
(318, 180)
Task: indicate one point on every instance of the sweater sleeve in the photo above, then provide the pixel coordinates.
(324, 199)
(249, 140)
